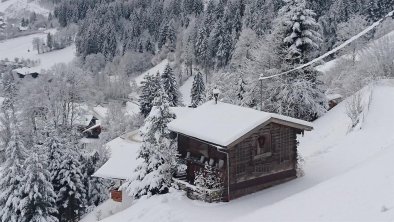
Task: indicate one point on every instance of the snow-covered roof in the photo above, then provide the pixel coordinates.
(83, 120)
(333, 96)
(224, 123)
(27, 70)
(123, 158)
(180, 111)
(100, 111)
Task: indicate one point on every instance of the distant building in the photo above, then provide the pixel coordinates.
(251, 149)
(27, 72)
(89, 126)
(333, 100)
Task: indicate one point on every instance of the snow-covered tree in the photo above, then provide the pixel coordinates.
(11, 180)
(298, 94)
(116, 122)
(71, 195)
(153, 175)
(170, 86)
(209, 183)
(348, 29)
(39, 199)
(299, 32)
(198, 90)
(149, 87)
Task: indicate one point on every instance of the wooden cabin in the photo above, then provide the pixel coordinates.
(24, 72)
(251, 149)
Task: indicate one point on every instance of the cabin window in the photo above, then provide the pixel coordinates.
(262, 144)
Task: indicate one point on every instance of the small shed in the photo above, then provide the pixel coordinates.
(334, 99)
(253, 150)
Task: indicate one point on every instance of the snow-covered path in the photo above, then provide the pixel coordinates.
(348, 176)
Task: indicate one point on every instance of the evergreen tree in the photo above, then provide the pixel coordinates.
(299, 30)
(198, 90)
(71, 195)
(38, 203)
(56, 153)
(170, 86)
(153, 175)
(49, 41)
(149, 87)
(298, 94)
(11, 180)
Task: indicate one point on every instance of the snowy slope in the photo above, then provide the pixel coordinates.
(349, 176)
(185, 91)
(152, 71)
(331, 64)
(22, 47)
(20, 8)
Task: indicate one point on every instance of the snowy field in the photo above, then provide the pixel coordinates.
(22, 47)
(349, 176)
(20, 8)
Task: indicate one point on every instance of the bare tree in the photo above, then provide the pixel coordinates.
(354, 109)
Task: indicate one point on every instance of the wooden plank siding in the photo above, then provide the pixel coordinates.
(250, 168)
(277, 167)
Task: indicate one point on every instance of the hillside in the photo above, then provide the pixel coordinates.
(20, 8)
(22, 47)
(348, 176)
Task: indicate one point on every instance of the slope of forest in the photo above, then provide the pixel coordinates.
(22, 48)
(343, 169)
(20, 8)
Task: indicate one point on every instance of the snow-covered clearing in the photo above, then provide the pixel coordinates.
(185, 91)
(22, 47)
(152, 71)
(349, 176)
(21, 8)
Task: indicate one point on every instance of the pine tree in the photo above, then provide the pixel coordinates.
(56, 152)
(71, 196)
(11, 180)
(300, 31)
(170, 86)
(149, 87)
(38, 203)
(198, 90)
(298, 94)
(49, 41)
(153, 175)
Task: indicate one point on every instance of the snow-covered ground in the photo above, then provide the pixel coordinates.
(331, 64)
(22, 47)
(21, 8)
(349, 176)
(152, 71)
(185, 91)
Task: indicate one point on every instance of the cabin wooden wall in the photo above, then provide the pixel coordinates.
(197, 149)
(250, 172)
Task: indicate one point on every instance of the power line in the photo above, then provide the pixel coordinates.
(365, 31)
